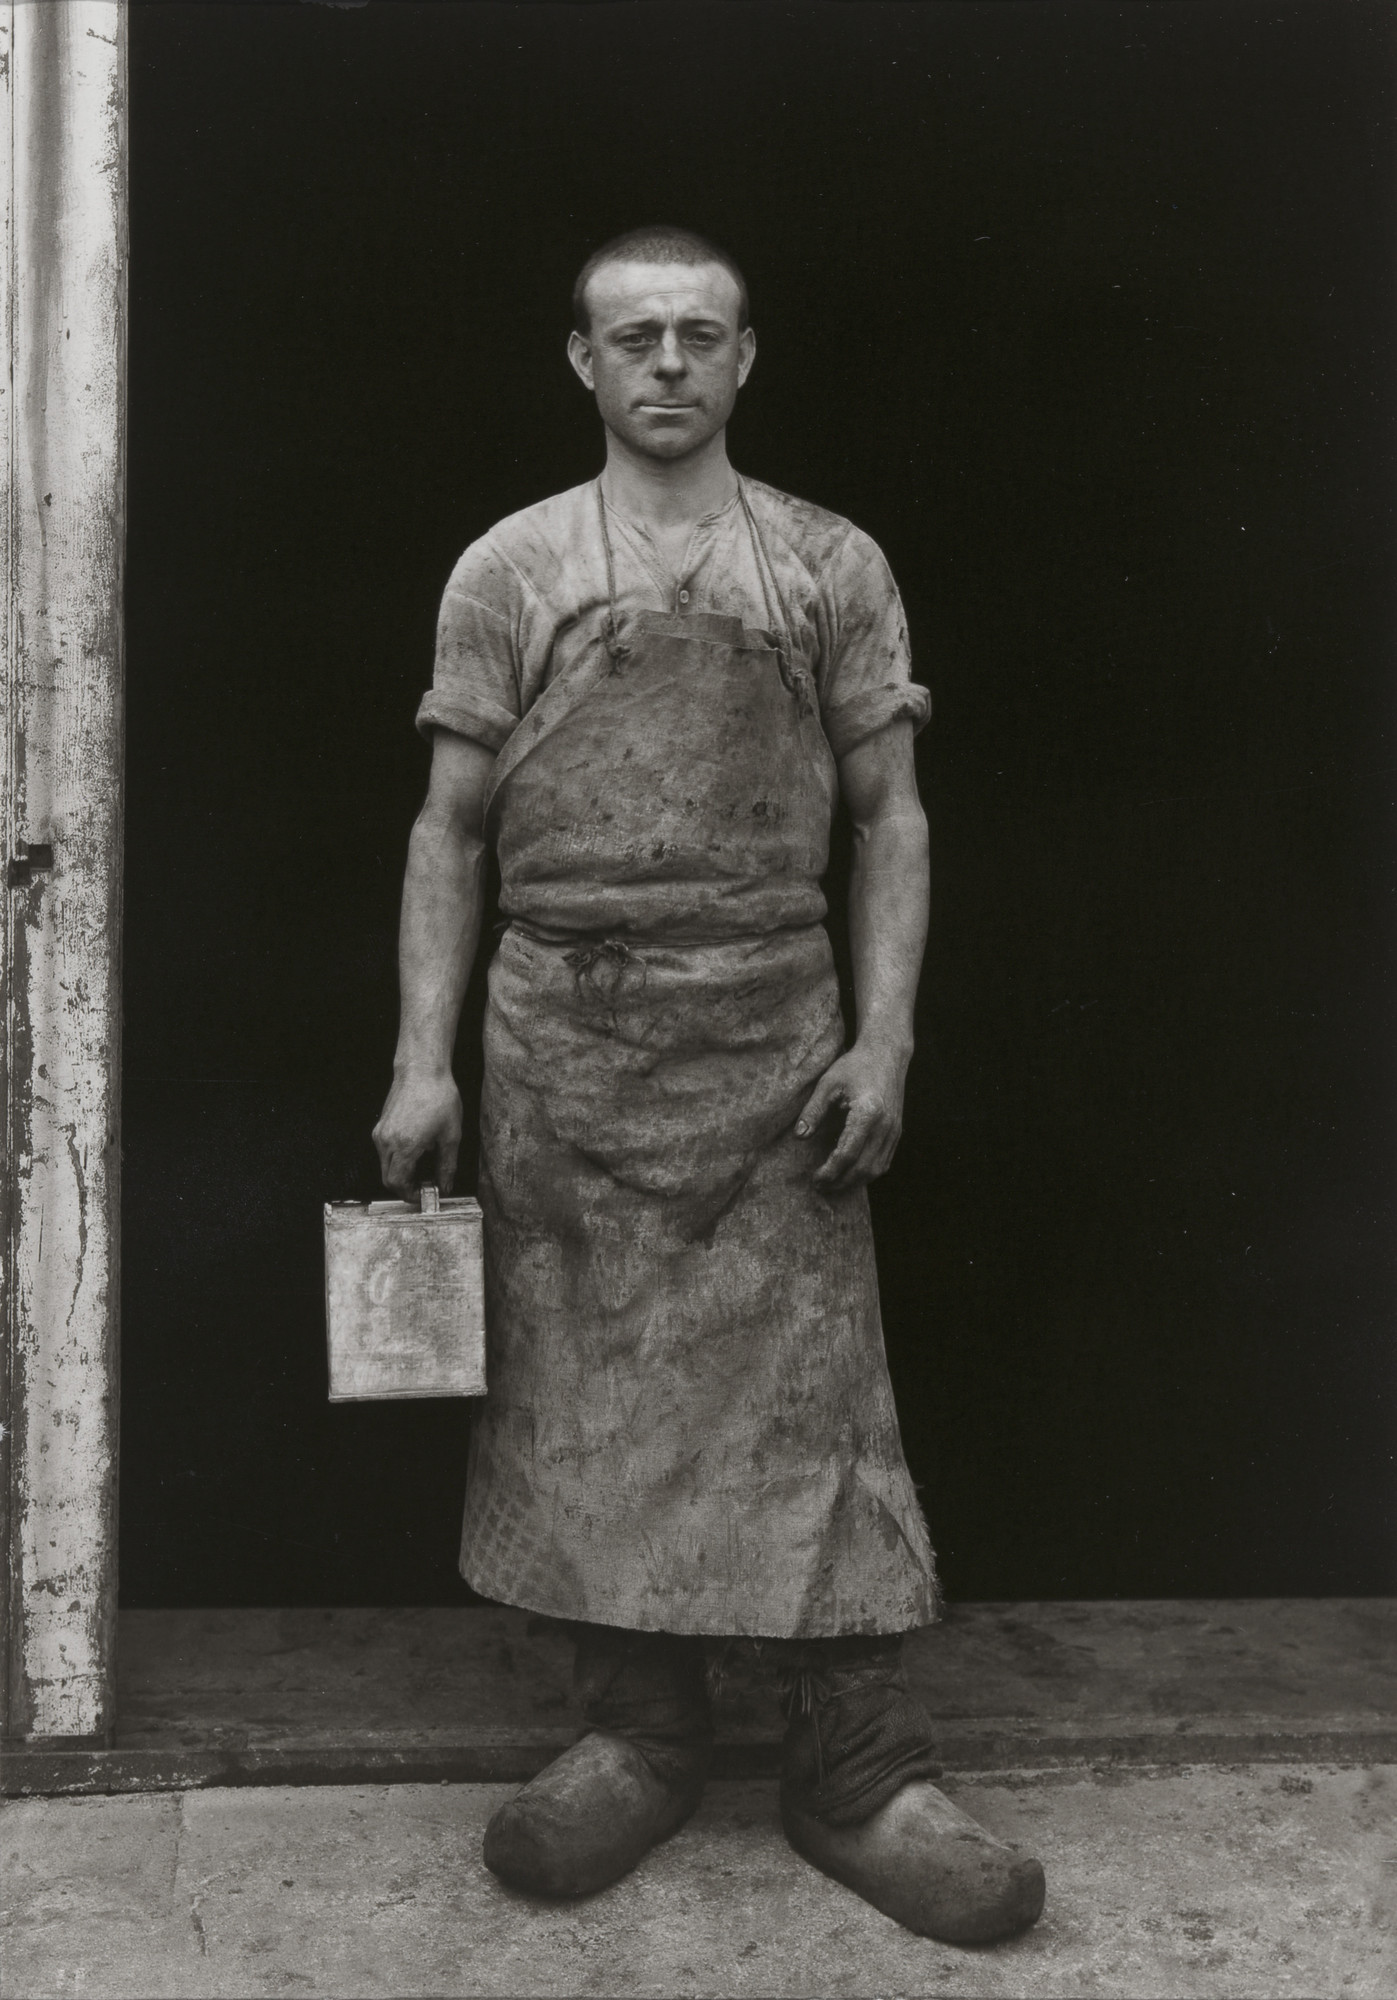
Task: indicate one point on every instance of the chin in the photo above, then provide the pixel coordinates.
(663, 443)
(669, 447)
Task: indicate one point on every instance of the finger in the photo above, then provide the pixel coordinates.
(447, 1153)
(400, 1169)
(879, 1158)
(827, 1092)
(850, 1144)
(871, 1165)
(872, 1155)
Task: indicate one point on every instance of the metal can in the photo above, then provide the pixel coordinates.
(404, 1298)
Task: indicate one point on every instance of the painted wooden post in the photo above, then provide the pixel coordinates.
(63, 180)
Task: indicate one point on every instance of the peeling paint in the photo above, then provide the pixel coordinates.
(78, 1161)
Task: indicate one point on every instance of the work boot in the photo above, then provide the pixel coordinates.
(857, 1800)
(628, 1783)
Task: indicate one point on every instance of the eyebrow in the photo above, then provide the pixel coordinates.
(654, 322)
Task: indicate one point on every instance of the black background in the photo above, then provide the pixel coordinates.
(1085, 312)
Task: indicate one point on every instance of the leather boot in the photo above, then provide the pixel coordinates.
(627, 1784)
(857, 1801)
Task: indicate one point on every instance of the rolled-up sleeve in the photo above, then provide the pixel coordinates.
(475, 682)
(866, 681)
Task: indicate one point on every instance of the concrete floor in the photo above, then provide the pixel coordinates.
(1265, 1880)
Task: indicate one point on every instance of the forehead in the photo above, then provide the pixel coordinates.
(662, 291)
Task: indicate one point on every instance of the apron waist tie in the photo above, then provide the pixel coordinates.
(603, 964)
(592, 945)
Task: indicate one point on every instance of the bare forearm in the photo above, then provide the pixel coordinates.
(888, 903)
(443, 893)
(888, 897)
(442, 897)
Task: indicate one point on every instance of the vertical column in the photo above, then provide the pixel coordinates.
(63, 168)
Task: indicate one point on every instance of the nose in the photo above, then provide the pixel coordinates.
(669, 356)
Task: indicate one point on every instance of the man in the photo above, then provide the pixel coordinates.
(649, 693)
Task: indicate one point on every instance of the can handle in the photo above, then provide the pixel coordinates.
(429, 1198)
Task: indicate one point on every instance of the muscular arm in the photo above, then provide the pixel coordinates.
(888, 903)
(437, 940)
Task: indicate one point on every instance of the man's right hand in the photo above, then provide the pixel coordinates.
(422, 1114)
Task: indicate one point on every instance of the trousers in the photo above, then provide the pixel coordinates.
(854, 1733)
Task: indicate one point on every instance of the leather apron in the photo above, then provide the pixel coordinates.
(689, 1425)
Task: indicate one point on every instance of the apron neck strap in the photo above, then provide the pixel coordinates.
(613, 637)
(766, 570)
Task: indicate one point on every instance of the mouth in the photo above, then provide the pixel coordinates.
(666, 409)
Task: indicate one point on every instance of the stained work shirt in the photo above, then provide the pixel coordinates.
(530, 596)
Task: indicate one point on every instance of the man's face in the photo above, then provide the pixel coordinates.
(664, 356)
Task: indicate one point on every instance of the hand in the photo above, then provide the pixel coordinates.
(868, 1084)
(422, 1113)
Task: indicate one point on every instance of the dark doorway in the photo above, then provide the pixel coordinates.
(1085, 313)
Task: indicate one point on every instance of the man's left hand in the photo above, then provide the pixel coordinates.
(867, 1085)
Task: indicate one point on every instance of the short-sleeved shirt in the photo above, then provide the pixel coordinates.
(531, 596)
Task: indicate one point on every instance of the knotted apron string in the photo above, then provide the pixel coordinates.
(603, 965)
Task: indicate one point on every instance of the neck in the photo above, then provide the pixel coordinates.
(668, 492)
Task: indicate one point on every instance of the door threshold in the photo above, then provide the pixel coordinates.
(483, 1695)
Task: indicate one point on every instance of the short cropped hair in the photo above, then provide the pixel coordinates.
(660, 244)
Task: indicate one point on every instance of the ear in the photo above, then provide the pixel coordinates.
(746, 354)
(580, 355)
